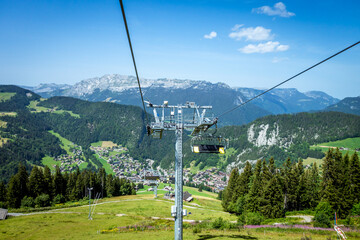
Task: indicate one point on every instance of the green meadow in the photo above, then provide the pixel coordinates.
(132, 214)
(350, 143)
(4, 96)
(35, 108)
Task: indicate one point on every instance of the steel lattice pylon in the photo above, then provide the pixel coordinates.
(198, 123)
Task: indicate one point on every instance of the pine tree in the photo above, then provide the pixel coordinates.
(272, 168)
(23, 181)
(285, 176)
(301, 186)
(313, 189)
(230, 194)
(328, 173)
(59, 182)
(79, 187)
(346, 194)
(272, 201)
(244, 180)
(354, 172)
(2, 192)
(71, 193)
(102, 181)
(36, 182)
(332, 187)
(14, 192)
(48, 182)
(266, 175)
(253, 198)
(110, 188)
(290, 185)
(232, 185)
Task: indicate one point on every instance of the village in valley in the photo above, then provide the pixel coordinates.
(116, 160)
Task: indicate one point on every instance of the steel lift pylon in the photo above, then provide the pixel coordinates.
(198, 123)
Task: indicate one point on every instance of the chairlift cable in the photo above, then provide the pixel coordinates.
(315, 65)
(133, 58)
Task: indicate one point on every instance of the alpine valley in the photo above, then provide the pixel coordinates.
(45, 131)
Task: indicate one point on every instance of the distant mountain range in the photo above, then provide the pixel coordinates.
(124, 89)
(347, 105)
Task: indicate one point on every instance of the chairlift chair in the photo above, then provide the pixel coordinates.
(208, 144)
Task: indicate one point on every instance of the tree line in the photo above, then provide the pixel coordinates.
(271, 191)
(42, 188)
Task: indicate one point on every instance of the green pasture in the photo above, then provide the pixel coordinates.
(65, 143)
(350, 143)
(309, 161)
(12, 114)
(97, 144)
(105, 164)
(191, 190)
(83, 165)
(4, 96)
(34, 105)
(3, 124)
(50, 162)
(139, 210)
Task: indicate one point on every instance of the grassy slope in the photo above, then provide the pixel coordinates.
(350, 143)
(193, 191)
(50, 162)
(105, 164)
(72, 223)
(66, 145)
(34, 105)
(4, 96)
(310, 161)
(8, 114)
(97, 144)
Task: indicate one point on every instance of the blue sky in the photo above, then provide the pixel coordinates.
(242, 43)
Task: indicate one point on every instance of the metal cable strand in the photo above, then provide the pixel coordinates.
(133, 58)
(230, 110)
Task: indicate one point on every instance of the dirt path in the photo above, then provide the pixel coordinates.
(306, 218)
(326, 147)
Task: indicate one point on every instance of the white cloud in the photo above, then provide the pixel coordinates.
(211, 35)
(253, 34)
(267, 47)
(237, 26)
(279, 9)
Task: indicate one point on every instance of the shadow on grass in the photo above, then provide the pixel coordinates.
(209, 236)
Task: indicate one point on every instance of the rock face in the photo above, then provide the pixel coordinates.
(288, 135)
(263, 138)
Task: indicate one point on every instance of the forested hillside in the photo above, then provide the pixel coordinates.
(25, 122)
(270, 192)
(283, 136)
(98, 121)
(25, 136)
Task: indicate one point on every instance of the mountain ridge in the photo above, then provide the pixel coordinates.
(124, 89)
(347, 105)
